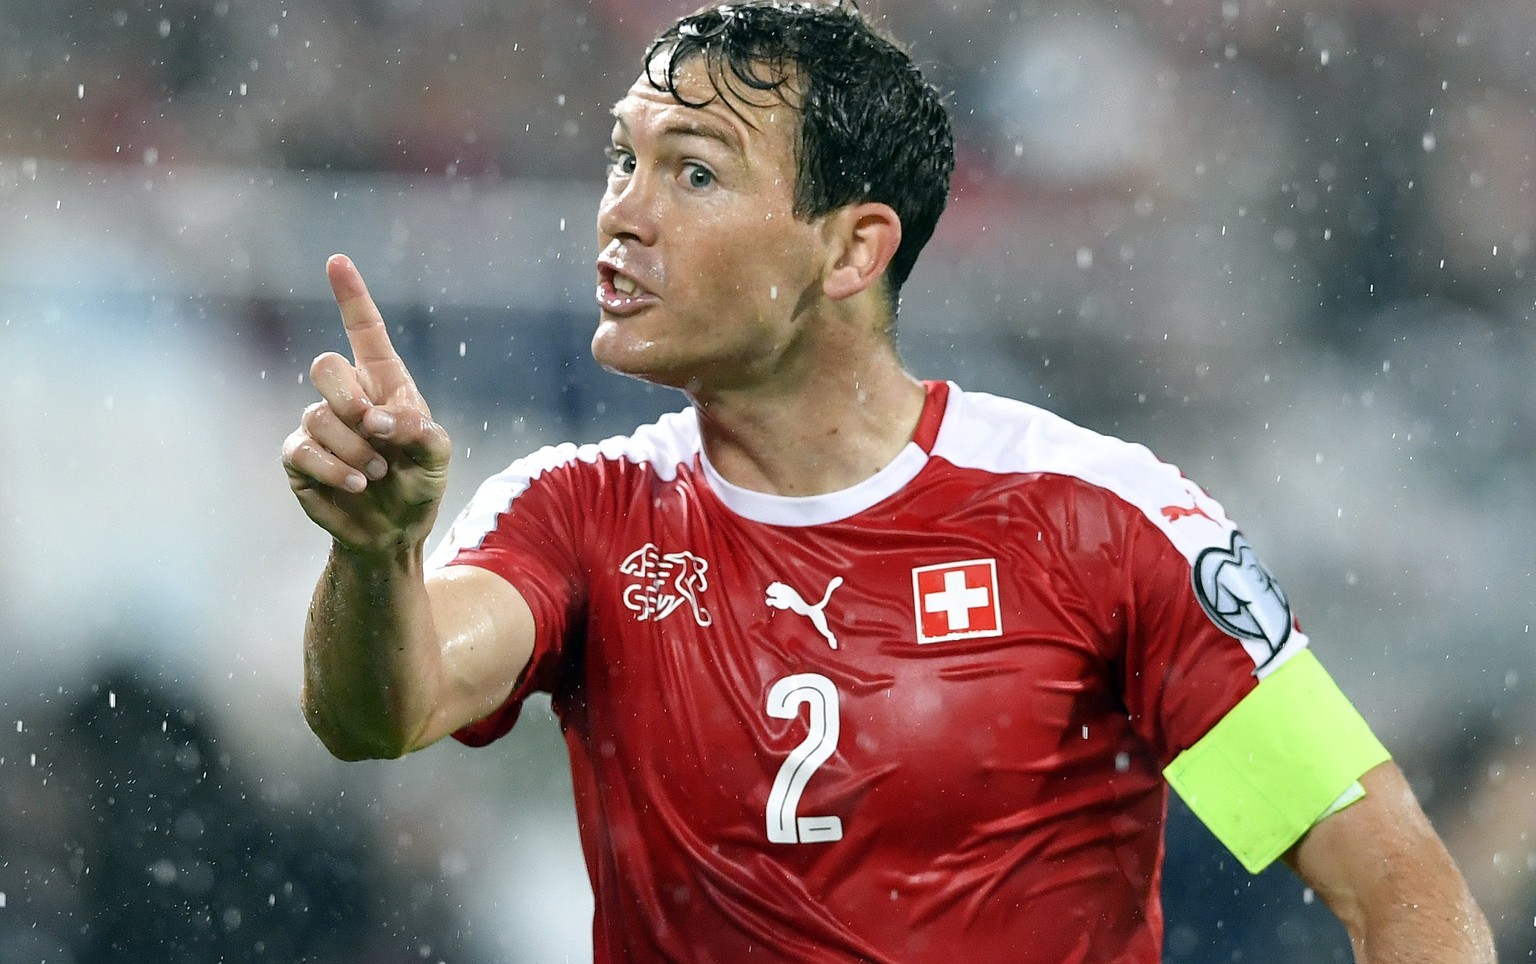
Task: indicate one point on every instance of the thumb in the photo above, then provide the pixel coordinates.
(410, 430)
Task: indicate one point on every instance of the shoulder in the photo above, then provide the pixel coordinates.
(569, 479)
(663, 447)
(1006, 436)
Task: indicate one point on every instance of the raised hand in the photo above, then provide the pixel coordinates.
(367, 462)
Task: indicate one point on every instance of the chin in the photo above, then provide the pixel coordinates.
(622, 356)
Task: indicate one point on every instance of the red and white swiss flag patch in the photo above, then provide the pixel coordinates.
(957, 600)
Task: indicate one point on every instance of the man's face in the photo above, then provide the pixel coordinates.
(704, 273)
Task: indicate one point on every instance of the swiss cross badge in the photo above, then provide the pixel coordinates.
(957, 600)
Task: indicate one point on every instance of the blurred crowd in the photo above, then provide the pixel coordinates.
(1286, 243)
(133, 832)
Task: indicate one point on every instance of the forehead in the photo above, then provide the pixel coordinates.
(765, 117)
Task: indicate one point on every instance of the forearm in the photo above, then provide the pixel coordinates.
(1445, 929)
(1410, 904)
(1380, 867)
(372, 658)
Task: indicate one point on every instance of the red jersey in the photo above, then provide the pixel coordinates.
(920, 719)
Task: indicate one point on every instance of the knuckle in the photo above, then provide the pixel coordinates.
(315, 409)
(300, 457)
(326, 361)
(292, 444)
(317, 417)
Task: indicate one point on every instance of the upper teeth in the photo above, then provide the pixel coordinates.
(623, 285)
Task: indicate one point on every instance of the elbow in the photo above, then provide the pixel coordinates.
(351, 743)
(352, 751)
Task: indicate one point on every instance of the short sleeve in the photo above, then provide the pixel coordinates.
(1251, 731)
(522, 524)
(1205, 622)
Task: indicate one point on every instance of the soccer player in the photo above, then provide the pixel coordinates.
(851, 667)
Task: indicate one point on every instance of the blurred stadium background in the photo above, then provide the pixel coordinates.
(1285, 243)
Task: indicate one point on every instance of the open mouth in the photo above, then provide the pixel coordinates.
(618, 293)
(624, 285)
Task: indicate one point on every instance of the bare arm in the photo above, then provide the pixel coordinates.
(1381, 868)
(392, 661)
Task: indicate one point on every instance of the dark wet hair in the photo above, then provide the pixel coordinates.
(871, 128)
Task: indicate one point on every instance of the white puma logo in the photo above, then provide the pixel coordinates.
(781, 596)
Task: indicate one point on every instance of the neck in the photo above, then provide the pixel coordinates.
(831, 429)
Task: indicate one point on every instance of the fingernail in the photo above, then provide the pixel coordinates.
(376, 469)
(354, 482)
(379, 422)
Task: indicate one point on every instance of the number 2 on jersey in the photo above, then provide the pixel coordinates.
(785, 825)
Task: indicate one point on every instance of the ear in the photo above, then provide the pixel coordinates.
(864, 239)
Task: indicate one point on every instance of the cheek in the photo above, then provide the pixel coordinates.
(718, 268)
(769, 264)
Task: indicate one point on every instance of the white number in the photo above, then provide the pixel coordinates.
(784, 699)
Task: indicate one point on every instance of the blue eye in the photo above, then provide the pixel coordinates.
(700, 177)
(620, 161)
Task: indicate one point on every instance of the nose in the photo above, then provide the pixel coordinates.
(628, 210)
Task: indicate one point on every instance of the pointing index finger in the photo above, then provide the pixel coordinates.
(372, 351)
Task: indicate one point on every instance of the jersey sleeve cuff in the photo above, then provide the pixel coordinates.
(1290, 753)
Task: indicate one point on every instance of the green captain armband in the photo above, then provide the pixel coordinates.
(1291, 752)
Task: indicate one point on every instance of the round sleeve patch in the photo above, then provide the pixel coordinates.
(1243, 599)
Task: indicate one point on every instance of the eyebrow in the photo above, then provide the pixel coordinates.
(705, 131)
